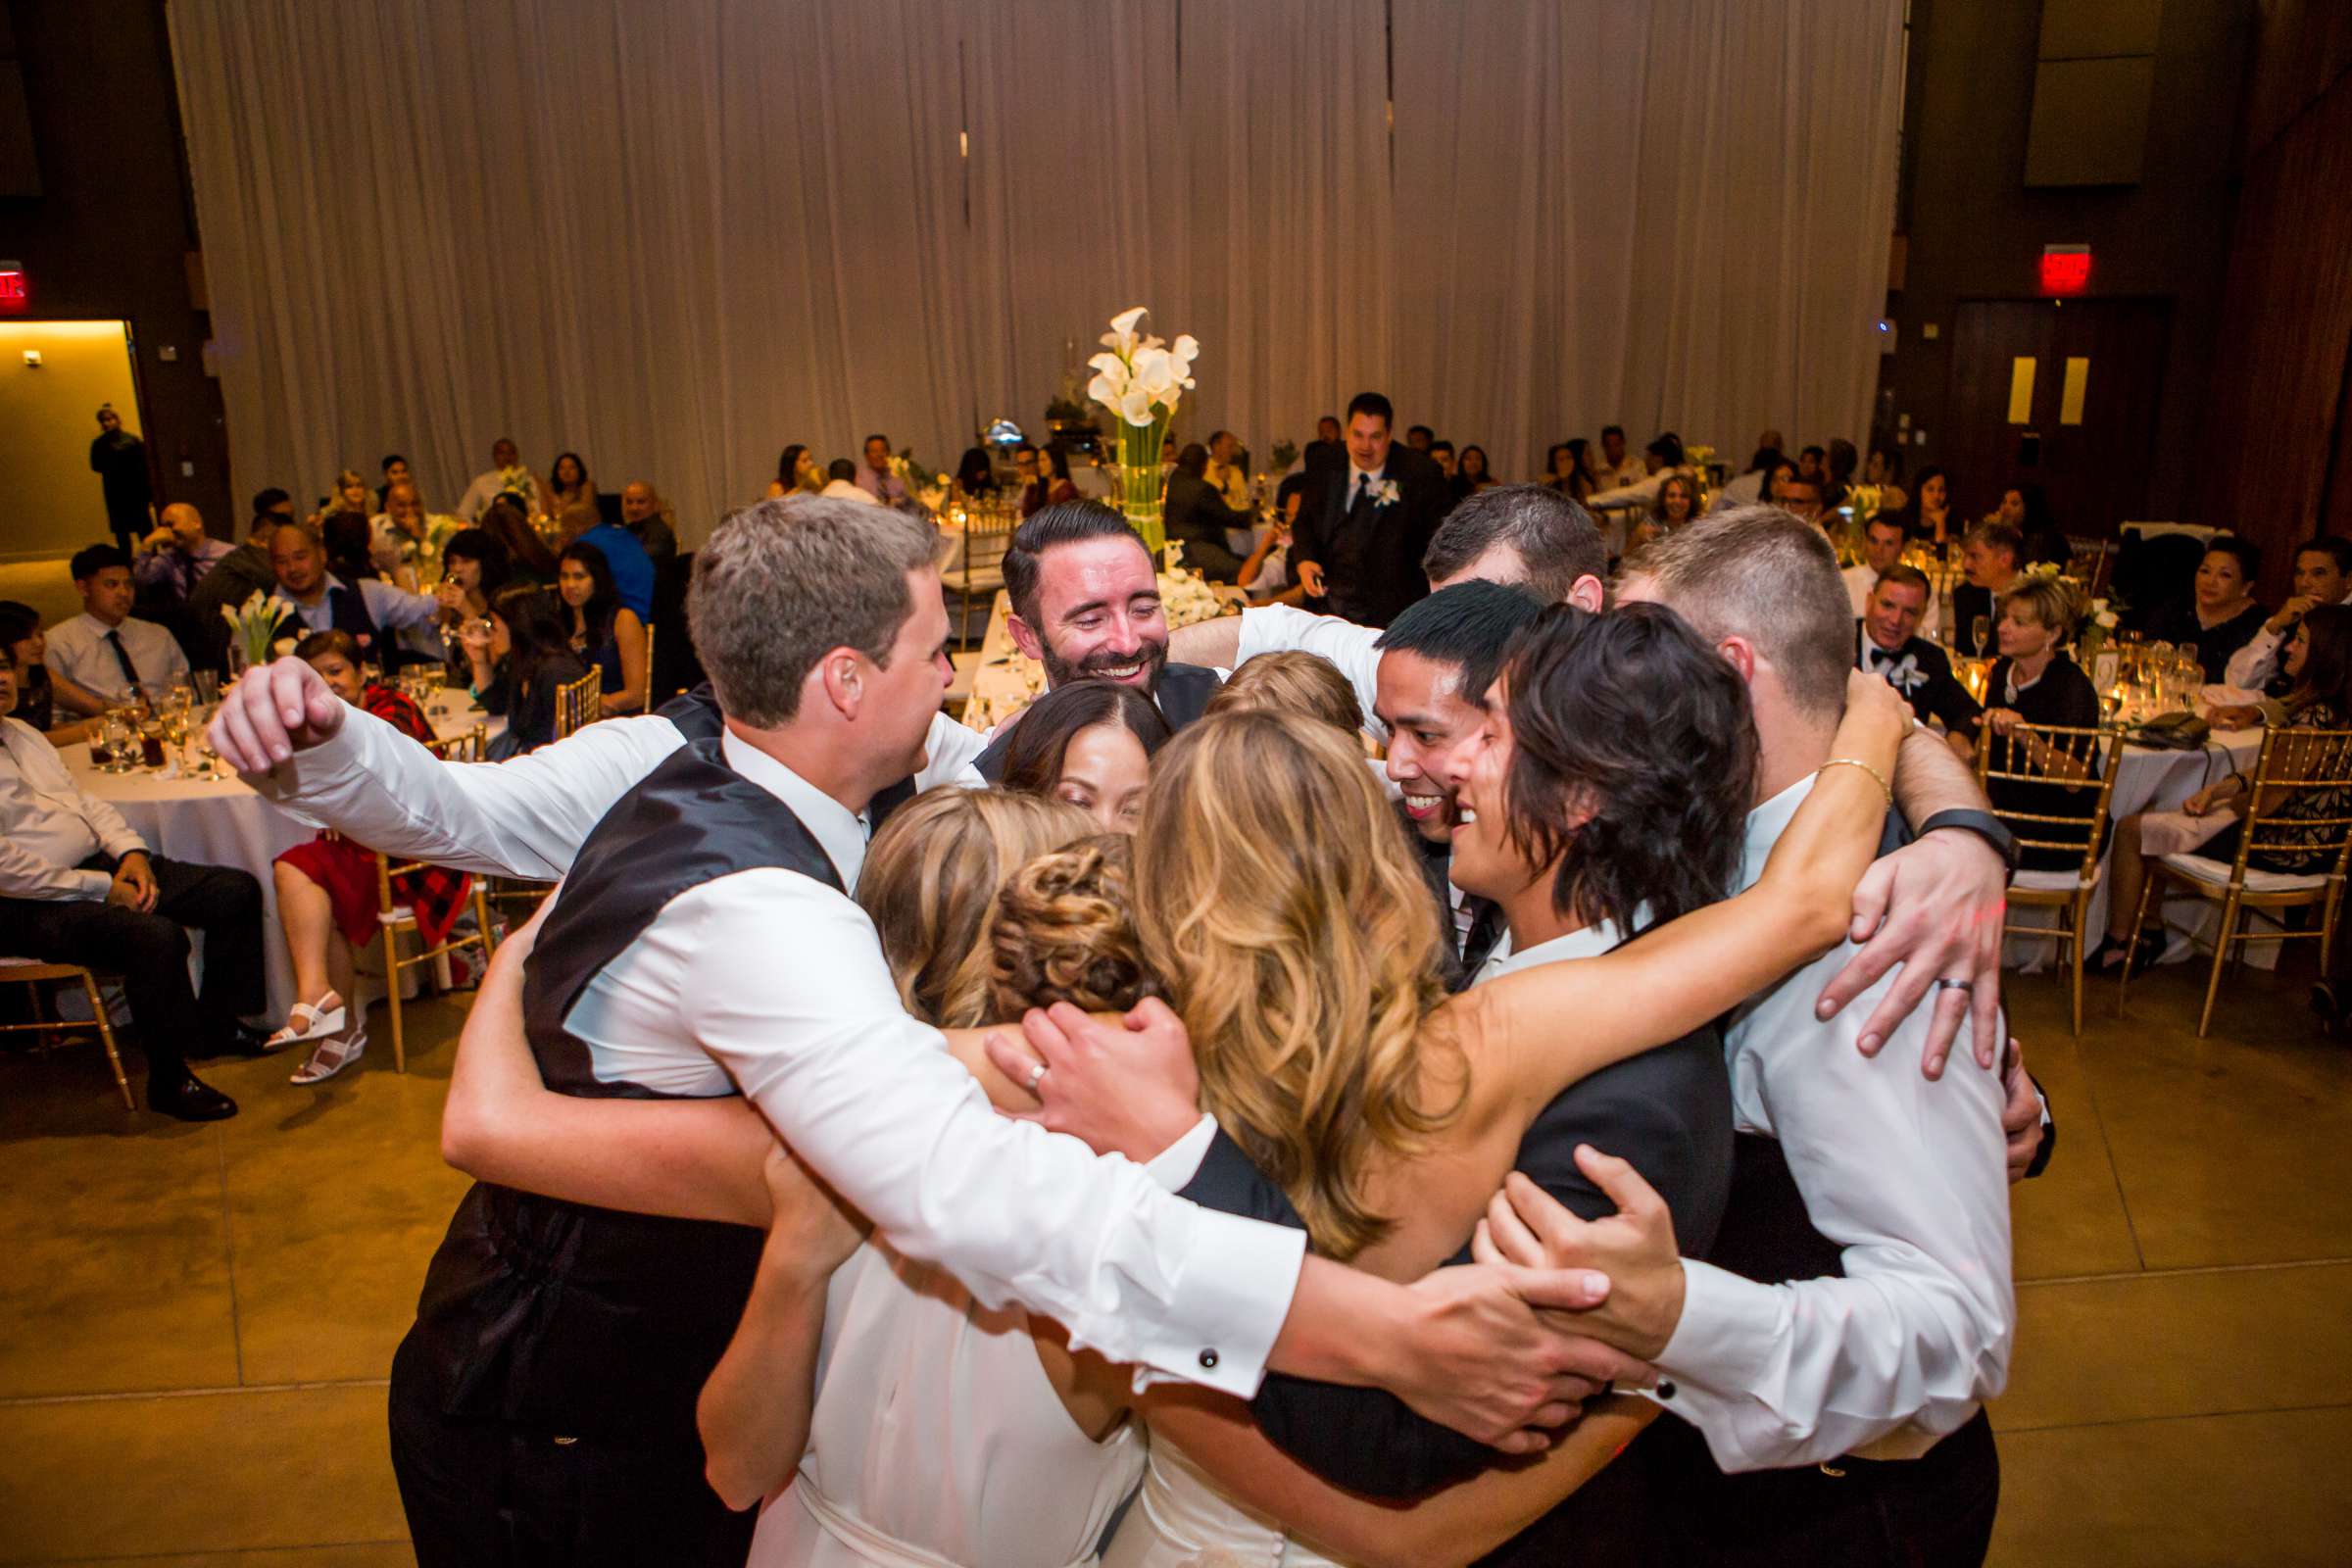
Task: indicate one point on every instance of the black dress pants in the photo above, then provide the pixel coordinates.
(149, 952)
(485, 1494)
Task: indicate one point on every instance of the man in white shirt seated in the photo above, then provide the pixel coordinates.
(2323, 576)
(77, 886)
(506, 474)
(1617, 467)
(1882, 549)
(841, 482)
(318, 600)
(103, 655)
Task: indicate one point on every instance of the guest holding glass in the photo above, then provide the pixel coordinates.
(2033, 682)
(520, 655)
(2319, 666)
(474, 568)
(796, 473)
(1088, 744)
(2222, 615)
(606, 633)
(327, 899)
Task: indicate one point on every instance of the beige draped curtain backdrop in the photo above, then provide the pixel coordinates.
(676, 234)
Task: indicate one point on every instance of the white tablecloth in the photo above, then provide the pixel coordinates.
(224, 822)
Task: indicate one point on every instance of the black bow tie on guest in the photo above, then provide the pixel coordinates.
(131, 671)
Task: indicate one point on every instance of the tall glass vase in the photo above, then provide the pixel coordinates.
(1140, 481)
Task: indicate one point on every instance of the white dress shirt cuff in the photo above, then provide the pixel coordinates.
(1175, 1167)
(1729, 1333)
(97, 884)
(1235, 1293)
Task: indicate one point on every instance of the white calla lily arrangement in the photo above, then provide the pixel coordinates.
(1139, 379)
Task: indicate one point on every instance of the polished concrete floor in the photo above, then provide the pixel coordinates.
(195, 1322)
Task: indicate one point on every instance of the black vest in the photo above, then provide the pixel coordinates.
(566, 1318)
(347, 611)
(696, 715)
(1184, 690)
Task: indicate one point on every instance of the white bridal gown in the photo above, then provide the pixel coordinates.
(937, 1442)
(1181, 1520)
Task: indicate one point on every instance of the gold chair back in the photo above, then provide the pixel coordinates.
(2055, 755)
(578, 702)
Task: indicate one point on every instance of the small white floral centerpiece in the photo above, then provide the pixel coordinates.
(252, 629)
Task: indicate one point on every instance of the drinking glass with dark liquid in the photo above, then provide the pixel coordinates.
(151, 743)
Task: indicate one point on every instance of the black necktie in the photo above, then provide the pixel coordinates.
(1362, 500)
(1486, 929)
(130, 672)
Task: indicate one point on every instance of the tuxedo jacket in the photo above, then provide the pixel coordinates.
(1371, 560)
(1923, 673)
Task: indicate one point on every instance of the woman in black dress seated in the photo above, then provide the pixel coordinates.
(519, 662)
(605, 632)
(2220, 616)
(1198, 517)
(2033, 682)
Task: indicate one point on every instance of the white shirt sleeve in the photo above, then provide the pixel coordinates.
(783, 983)
(394, 608)
(1644, 489)
(1909, 1178)
(1354, 650)
(950, 750)
(524, 818)
(476, 499)
(2251, 668)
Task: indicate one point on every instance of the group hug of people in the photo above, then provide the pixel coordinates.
(1582, 1129)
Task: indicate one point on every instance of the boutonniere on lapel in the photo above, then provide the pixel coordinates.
(1905, 678)
(1386, 492)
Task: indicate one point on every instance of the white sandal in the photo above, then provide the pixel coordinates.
(309, 1020)
(331, 1057)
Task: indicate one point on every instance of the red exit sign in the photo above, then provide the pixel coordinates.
(2065, 270)
(13, 296)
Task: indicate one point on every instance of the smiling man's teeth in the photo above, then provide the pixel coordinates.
(1464, 817)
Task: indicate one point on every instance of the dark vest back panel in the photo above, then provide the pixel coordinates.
(568, 1318)
(696, 715)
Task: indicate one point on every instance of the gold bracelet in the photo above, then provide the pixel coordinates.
(1855, 761)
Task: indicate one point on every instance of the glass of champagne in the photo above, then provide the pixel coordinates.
(1979, 635)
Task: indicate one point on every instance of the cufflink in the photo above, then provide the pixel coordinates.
(1208, 1360)
(1666, 1387)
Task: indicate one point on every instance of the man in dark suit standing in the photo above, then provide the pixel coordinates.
(1367, 520)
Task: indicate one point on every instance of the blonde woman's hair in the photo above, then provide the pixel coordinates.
(347, 479)
(2051, 602)
(1064, 931)
(930, 884)
(1294, 684)
(1279, 903)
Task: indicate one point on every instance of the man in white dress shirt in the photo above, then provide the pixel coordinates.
(861, 1090)
(1867, 1369)
(2323, 576)
(1617, 467)
(317, 600)
(506, 474)
(103, 655)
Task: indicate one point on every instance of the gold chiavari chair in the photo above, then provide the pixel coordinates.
(579, 703)
(975, 567)
(2082, 763)
(2307, 776)
(33, 972)
(648, 670)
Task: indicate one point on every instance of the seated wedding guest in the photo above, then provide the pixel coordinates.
(234, 578)
(1617, 467)
(1421, 438)
(406, 541)
(878, 476)
(273, 504)
(1884, 469)
(506, 475)
(1929, 516)
(474, 568)
(2211, 822)
(976, 475)
(395, 470)
(176, 556)
(1198, 517)
(646, 517)
(518, 663)
(1293, 685)
(316, 599)
(1838, 468)
(1439, 453)
(326, 890)
(2034, 682)
(1803, 497)
(104, 655)
(1047, 481)
(1471, 475)
(347, 497)
(2323, 576)
(1267, 573)
(1989, 557)
(77, 886)
(1088, 744)
(1809, 466)
(36, 699)
(528, 557)
(1888, 643)
(1778, 477)
(1882, 542)
(2044, 542)
(1662, 457)
(1326, 447)
(348, 543)
(796, 473)
(1568, 469)
(1753, 486)
(841, 482)
(2221, 615)
(568, 484)
(1677, 505)
(1227, 472)
(632, 567)
(605, 632)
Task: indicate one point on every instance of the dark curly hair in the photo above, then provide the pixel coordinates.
(1064, 931)
(1634, 753)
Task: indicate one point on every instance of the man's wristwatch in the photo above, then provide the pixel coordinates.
(1983, 824)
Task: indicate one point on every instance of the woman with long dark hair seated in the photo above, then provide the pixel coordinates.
(1198, 517)
(796, 473)
(976, 475)
(518, 662)
(528, 557)
(605, 632)
(326, 890)
(36, 699)
(1090, 744)
(568, 484)
(1053, 486)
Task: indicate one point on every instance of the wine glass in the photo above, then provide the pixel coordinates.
(1980, 633)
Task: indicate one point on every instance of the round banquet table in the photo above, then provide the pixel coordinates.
(224, 822)
(2152, 779)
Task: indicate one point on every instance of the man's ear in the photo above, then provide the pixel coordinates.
(1025, 638)
(1587, 594)
(839, 677)
(1742, 655)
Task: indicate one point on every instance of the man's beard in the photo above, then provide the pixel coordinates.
(1059, 671)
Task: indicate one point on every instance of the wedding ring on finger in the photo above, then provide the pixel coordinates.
(1956, 985)
(1035, 1073)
